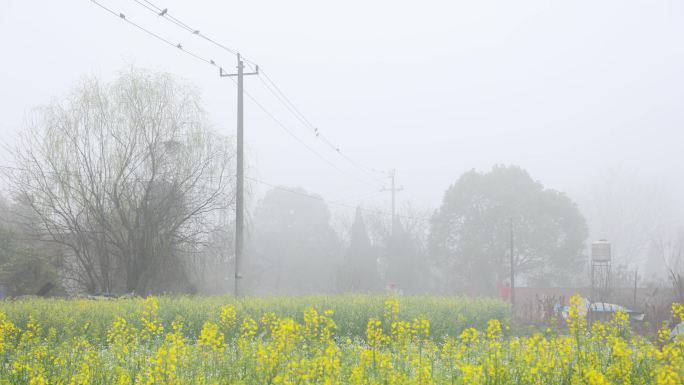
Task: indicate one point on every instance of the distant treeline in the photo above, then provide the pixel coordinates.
(123, 187)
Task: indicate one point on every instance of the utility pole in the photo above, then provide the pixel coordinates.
(636, 281)
(512, 268)
(393, 189)
(240, 185)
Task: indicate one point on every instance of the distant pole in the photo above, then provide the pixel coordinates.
(593, 280)
(636, 278)
(512, 267)
(240, 183)
(393, 189)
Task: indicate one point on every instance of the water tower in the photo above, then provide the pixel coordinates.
(600, 270)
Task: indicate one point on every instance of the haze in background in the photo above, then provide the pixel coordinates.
(567, 90)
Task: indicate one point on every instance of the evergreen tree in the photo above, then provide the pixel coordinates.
(360, 272)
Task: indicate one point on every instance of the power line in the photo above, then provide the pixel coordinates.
(213, 63)
(297, 138)
(335, 203)
(239, 209)
(158, 37)
(356, 197)
(281, 188)
(162, 12)
(268, 83)
(169, 17)
(311, 149)
(290, 106)
(275, 90)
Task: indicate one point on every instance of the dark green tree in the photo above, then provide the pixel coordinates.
(293, 248)
(359, 271)
(26, 265)
(406, 263)
(470, 234)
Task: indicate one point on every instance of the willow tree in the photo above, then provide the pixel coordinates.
(127, 176)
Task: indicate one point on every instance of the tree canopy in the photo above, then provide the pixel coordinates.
(293, 248)
(406, 264)
(359, 268)
(471, 231)
(127, 176)
(26, 266)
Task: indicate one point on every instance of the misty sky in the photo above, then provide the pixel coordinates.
(565, 89)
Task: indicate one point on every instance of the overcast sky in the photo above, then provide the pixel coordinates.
(565, 89)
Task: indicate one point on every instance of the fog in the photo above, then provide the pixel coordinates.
(585, 96)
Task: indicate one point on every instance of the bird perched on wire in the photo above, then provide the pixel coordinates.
(179, 46)
(121, 15)
(162, 13)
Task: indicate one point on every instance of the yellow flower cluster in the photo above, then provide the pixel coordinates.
(7, 332)
(153, 328)
(211, 338)
(229, 346)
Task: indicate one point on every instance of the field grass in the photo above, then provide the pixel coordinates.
(448, 315)
(318, 340)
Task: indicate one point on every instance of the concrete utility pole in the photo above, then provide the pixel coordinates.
(393, 189)
(240, 185)
(512, 268)
(636, 281)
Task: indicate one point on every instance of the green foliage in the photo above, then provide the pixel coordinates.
(359, 270)
(25, 265)
(156, 181)
(406, 265)
(448, 315)
(396, 348)
(294, 247)
(471, 231)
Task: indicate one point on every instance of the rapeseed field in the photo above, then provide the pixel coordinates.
(318, 340)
